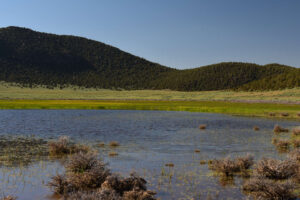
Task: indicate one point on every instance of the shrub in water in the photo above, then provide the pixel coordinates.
(276, 169)
(230, 166)
(279, 129)
(262, 188)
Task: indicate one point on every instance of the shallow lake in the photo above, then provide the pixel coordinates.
(148, 140)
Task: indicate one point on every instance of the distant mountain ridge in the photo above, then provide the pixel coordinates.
(31, 57)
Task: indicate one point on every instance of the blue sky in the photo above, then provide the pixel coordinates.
(175, 33)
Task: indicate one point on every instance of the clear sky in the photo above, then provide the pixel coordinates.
(175, 33)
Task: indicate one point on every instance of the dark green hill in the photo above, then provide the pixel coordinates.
(30, 57)
(289, 79)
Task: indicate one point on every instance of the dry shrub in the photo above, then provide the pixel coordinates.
(83, 171)
(262, 188)
(284, 114)
(272, 114)
(8, 198)
(138, 195)
(296, 131)
(279, 129)
(63, 146)
(294, 155)
(298, 114)
(86, 171)
(113, 154)
(114, 144)
(276, 169)
(121, 185)
(282, 144)
(133, 187)
(256, 128)
(60, 185)
(169, 165)
(296, 143)
(202, 162)
(230, 166)
(202, 126)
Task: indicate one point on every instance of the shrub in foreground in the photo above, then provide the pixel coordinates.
(261, 188)
(83, 171)
(88, 178)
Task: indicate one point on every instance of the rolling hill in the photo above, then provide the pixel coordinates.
(30, 57)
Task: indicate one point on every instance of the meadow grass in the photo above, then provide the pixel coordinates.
(14, 91)
(258, 104)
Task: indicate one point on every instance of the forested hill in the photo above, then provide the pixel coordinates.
(30, 57)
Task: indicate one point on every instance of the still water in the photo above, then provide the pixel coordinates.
(149, 140)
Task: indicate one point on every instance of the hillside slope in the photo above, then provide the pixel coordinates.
(30, 57)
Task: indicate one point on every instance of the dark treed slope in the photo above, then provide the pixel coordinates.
(27, 56)
(289, 79)
(31, 57)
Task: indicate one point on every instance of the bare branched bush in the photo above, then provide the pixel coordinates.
(279, 129)
(262, 188)
(276, 169)
(60, 185)
(296, 131)
(86, 171)
(256, 128)
(282, 144)
(294, 155)
(230, 166)
(296, 143)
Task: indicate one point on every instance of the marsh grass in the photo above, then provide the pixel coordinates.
(261, 188)
(229, 166)
(21, 150)
(63, 146)
(276, 169)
